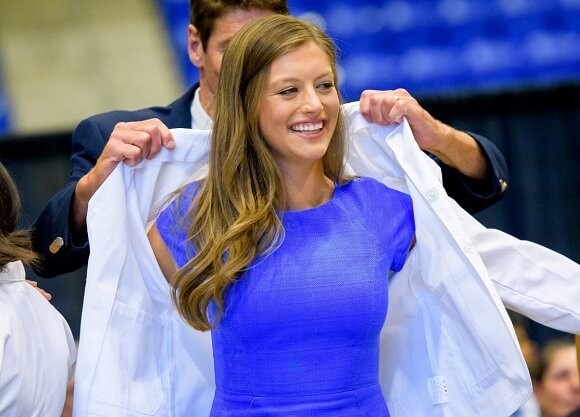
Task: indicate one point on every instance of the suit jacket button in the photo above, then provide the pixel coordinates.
(503, 184)
(56, 245)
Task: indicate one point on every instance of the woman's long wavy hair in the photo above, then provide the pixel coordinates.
(15, 244)
(234, 217)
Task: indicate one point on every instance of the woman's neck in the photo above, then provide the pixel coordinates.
(309, 189)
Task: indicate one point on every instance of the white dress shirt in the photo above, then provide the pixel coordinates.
(37, 350)
(200, 120)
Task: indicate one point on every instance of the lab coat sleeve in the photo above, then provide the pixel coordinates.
(530, 279)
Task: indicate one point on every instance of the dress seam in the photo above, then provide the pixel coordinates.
(299, 395)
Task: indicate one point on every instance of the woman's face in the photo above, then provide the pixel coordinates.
(299, 107)
(558, 393)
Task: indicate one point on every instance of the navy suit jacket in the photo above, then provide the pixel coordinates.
(89, 139)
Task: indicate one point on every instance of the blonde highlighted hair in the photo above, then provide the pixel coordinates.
(234, 217)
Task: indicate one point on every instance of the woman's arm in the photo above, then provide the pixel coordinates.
(162, 253)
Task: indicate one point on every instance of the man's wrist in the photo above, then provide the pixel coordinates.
(84, 190)
(446, 139)
(460, 151)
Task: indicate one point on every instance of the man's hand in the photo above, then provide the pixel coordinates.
(454, 148)
(40, 290)
(129, 143)
(132, 142)
(390, 106)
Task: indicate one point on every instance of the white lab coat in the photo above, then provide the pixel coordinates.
(447, 348)
(37, 350)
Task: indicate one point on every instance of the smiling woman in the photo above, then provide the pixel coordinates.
(298, 116)
(287, 260)
(264, 253)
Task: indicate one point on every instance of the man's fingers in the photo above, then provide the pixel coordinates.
(166, 136)
(383, 105)
(398, 111)
(45, 294)
(131, 154)
(365, 104)
(153, 142)
(125, 146)
(150, 135)
(40, 290)
(143, 141)
(160, 137)
(378, 106)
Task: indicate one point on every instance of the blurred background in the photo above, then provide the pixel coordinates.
(507, 69)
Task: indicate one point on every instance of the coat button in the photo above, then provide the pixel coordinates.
(432, 194)
(56, 245)
(468, 247)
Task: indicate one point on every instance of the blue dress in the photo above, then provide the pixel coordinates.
(299, 335)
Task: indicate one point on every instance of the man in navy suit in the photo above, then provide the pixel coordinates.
(474, 171)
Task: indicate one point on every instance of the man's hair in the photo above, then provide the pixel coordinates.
(14, 244)
(204, 13)
(234, 218)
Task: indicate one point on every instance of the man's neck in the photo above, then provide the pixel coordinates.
(207, 100)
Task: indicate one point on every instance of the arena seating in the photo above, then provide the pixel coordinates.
(435, 47)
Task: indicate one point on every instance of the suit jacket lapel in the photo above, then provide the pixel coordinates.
(180, 110)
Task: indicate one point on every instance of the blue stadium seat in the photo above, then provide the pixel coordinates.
(435, 46)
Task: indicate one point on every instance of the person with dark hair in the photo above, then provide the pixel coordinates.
(37, 350)
(474, 170)
(15, 243)
(556, 380)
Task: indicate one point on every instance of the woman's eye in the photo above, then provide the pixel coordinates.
(287, 91)
(326, 85)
